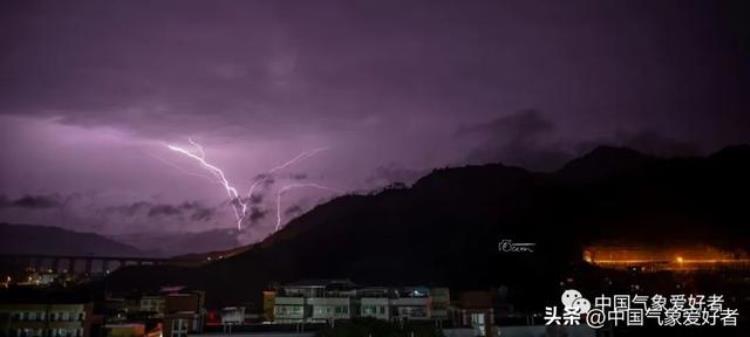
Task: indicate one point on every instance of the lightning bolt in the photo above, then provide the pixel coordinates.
(268, 175)
(178, 168)
(291, 187)
(299, 157)
(199, 155)
(240, 205)
(253, 186)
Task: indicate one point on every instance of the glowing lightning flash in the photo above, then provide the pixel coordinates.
(301, 156)
(239, 206)
(269, 174)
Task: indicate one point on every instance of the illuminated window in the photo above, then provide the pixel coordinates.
(477, 322)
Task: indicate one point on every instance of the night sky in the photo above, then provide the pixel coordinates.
(91, 93)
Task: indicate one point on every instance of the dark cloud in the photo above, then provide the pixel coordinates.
(529, 139)
(265, 183)
(257, 214)
(256, 198)
(298, 176)
(91, 91)
(268, 181)
(130, 209)
(522, 126)
(33, 202)
(394, 173)
(651, 142)
(164, 210)
(293, 210)
(171, 68)
(202, 214)
(192, 209)
(525, 138)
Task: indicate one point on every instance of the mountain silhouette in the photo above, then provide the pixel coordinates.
(445, 228)
(176, 244)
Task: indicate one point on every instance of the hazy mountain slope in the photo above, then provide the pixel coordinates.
(47, 240)
(174, 244)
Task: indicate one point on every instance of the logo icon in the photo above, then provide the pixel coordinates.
(575, 302)
(508, 246)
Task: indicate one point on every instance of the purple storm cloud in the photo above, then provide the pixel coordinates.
(92, 91)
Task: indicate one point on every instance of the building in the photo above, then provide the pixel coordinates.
(257, 334)
(152, 304)
(233, 315)
(45, 319)
(269, 299)
(474, 309)
(125, 330)
(314, 301)
(441, 301)
(375, 302)
(411, 304)
(40, 278)
(184, 313)
(331, 300)
(326, 309)
(289, 309)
